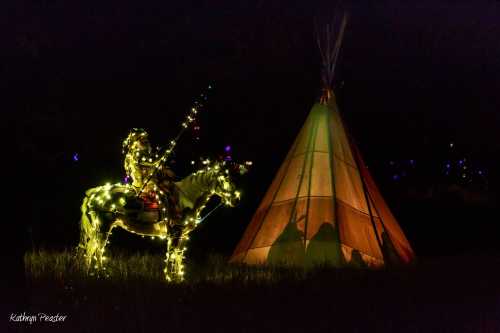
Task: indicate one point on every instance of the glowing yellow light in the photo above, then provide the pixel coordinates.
(174, 269)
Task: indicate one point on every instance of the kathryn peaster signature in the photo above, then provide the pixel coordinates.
(35, 318)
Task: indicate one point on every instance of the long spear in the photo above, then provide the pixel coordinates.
(189, 119)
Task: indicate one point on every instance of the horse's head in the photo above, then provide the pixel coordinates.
(223, 186)
(222, 173)
(215, 178)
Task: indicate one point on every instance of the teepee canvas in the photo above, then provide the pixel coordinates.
(323, 206)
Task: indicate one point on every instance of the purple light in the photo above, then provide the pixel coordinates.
(126, 179)
(461, 162)
(480, 172)
(395, 177)
(412, 162)
(76, 157)
(228, 158)
(227, 149)
(448, 166)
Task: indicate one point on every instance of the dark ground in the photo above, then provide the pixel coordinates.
(445, 294)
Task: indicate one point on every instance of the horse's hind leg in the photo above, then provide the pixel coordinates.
(104, 233)
(89, 238)
(95, 232)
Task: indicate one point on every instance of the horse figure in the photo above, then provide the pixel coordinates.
(110, 206)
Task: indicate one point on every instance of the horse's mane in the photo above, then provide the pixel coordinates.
(195, 184)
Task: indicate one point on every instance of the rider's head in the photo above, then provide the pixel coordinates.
(136, 139)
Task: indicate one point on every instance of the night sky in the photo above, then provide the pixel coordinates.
(410, 80)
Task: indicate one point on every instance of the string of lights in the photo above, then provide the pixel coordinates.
(106, 207)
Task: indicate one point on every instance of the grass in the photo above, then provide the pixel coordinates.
(455, 294)
(45, 265)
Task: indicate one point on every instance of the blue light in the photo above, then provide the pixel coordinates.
(75, 157)
(228, 148)
(395, 177)
(448, 166)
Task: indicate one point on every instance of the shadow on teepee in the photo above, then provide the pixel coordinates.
(391, 257)
(357, 261)
(288, 249)
(324, 248)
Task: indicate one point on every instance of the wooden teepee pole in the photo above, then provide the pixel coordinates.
(329, 54)
(338, 44)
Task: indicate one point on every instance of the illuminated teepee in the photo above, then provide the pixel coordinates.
(323, 206)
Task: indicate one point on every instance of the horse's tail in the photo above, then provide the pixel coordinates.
(85, 222)
(87, 230)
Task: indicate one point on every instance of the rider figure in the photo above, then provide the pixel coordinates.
(142, 166)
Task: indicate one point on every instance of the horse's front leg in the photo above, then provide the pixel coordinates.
(174, 270)
(180, 250)
(170, 261)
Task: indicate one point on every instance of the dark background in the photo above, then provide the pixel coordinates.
(410, 80)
